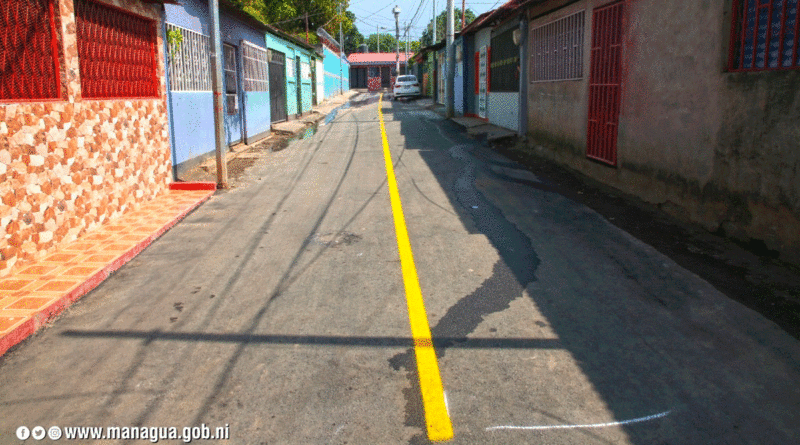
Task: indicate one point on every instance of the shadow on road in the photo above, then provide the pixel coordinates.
(649, 336)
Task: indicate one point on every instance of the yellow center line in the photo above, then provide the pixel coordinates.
(430, 382)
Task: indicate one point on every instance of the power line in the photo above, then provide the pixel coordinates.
(296, 18)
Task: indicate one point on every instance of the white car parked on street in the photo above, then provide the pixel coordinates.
(406, 86)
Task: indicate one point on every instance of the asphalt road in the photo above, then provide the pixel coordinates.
(279, 309)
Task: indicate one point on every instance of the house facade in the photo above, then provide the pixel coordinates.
(246, 87)
(693, 106)
(374, 71)
(336, 68)
(267, 78)
(496, 41)
(295, 59)
(83, 119)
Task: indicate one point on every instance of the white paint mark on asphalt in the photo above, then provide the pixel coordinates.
(446, 403)
(337, 430)
(591, 425)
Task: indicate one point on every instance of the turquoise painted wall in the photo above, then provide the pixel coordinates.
(292, 51)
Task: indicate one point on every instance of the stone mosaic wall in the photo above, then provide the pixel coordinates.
(68, 165)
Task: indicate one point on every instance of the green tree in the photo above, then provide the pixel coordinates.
(290, 15)
(441, 26)
(387, 43)
(352, 37)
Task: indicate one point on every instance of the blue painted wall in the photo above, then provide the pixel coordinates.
(334, 66)
(458, 80)
(191, 112)
(257, 112)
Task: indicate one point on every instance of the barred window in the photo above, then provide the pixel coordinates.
(764, 35)
(29, 62)
(189, 64)
(504, 63)
(256, 68)
(231, 78)
(116, 52)
(290, 69)
(557, 49)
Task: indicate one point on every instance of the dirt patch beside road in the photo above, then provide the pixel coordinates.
(241, 157)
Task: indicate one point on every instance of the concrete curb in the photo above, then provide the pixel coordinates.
(192, 186)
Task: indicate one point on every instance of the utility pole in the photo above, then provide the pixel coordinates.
(451, 72)
(307, 26)
(434, 23)
(463, 4)
(378, 35)
(341, 52)
(396, 12)
(406, 48)
(217, 88)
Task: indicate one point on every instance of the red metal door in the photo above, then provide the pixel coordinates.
(605, 83)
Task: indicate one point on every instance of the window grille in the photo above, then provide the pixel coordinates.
(189, 64)
(504, 63)
(256, 69)
(116, 51)
(764, 35)
(231, 78)
(557, 49)
(29, 62)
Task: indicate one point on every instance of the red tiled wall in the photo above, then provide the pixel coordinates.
(68, 165)
(374, 83)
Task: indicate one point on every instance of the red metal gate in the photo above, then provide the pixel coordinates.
(605, 83)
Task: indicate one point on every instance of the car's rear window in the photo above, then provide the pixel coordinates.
(407, 79)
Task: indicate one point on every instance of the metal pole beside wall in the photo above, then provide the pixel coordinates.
(450, 66)
(341, 53)
(217, 88)
(396, 12)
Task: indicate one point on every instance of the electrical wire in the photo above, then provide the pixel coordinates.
(296, 18)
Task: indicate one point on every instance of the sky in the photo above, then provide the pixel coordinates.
(372, 13)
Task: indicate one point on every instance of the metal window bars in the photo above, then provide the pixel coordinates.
(557, 49)
(764, 35)
(189, 63)
(255, 61)
(605, 83)
(231, 78)
(29, 59)
(116, 52)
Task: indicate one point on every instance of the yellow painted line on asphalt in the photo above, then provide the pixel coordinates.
(430, 382)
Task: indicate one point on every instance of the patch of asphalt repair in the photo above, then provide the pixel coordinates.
(745, 272)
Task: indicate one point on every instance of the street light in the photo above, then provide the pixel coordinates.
(396, 12)
(378, 35)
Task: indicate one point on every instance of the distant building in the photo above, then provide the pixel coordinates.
(374, 70)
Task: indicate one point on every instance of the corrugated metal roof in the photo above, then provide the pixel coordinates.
(375, 58)
(490, 18)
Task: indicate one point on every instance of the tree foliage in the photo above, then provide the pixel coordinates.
(290, 15)
(352, 37)
(387, 42)
(441, 25)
